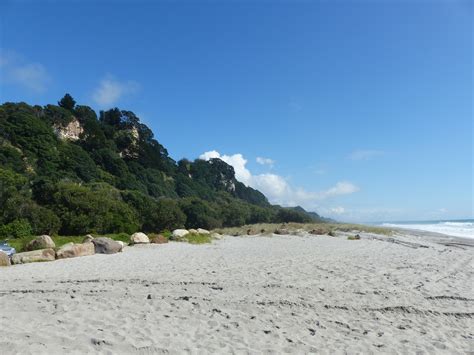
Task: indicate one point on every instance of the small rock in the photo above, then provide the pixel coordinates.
(139, 238)
(317, 231)
(148, 297)
(193, 231)
(203, 231)
(41, 242)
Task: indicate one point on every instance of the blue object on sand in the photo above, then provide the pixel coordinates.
(6, 248)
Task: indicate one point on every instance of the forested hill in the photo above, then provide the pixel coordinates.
(64, 170)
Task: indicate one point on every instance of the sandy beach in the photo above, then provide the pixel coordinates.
(259, 294)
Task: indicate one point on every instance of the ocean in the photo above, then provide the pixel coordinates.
(457, 228)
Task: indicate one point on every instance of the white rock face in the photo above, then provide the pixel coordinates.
(132, 150)
(71, 131)
(139, 238)
(203, 231)
(178, 233)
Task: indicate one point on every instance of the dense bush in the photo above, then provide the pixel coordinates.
(115, 178)
(17, 229)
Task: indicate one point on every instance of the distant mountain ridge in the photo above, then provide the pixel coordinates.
(63, 169)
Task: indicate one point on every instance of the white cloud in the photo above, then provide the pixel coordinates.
(110, 91)
(237, 161)
(265, 161)
(277, 188)
(365, 154)
(18, 71)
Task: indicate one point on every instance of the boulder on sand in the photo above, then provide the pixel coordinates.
(34, 256)
(41, 242)
(179, 233)
(318, 231)
(139, 238)
(104, 245)
(215, 235)
(282, 231)
(71, 250)
(4, 259)
(159, 239)
(88, 238)
(203, 231)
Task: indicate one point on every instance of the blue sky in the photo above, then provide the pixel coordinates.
(359, 110)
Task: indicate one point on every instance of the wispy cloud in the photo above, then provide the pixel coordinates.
(338, 210)
(295, 106)
(111, 90)
(277, 188)
(363, 214)
(16, 70)
(365, 154)
(341, 188)
(266, 161)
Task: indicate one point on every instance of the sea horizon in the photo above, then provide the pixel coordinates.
(463, 227)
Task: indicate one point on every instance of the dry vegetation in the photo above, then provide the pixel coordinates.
(295, 228)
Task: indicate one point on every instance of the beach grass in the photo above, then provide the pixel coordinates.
(59, 240)
(196, 238)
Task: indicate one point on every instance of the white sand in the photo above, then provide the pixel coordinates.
(245, 295)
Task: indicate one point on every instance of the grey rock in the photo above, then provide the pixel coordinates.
(104, 245)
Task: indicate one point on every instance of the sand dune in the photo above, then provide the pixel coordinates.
(293, 294)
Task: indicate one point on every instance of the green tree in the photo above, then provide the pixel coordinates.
(96, 208)
(199, 214)
(67, 102)
(167, 215)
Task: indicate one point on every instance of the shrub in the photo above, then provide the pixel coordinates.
(19, 228)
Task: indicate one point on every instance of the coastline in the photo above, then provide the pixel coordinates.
(435, 237)
(403, 293)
